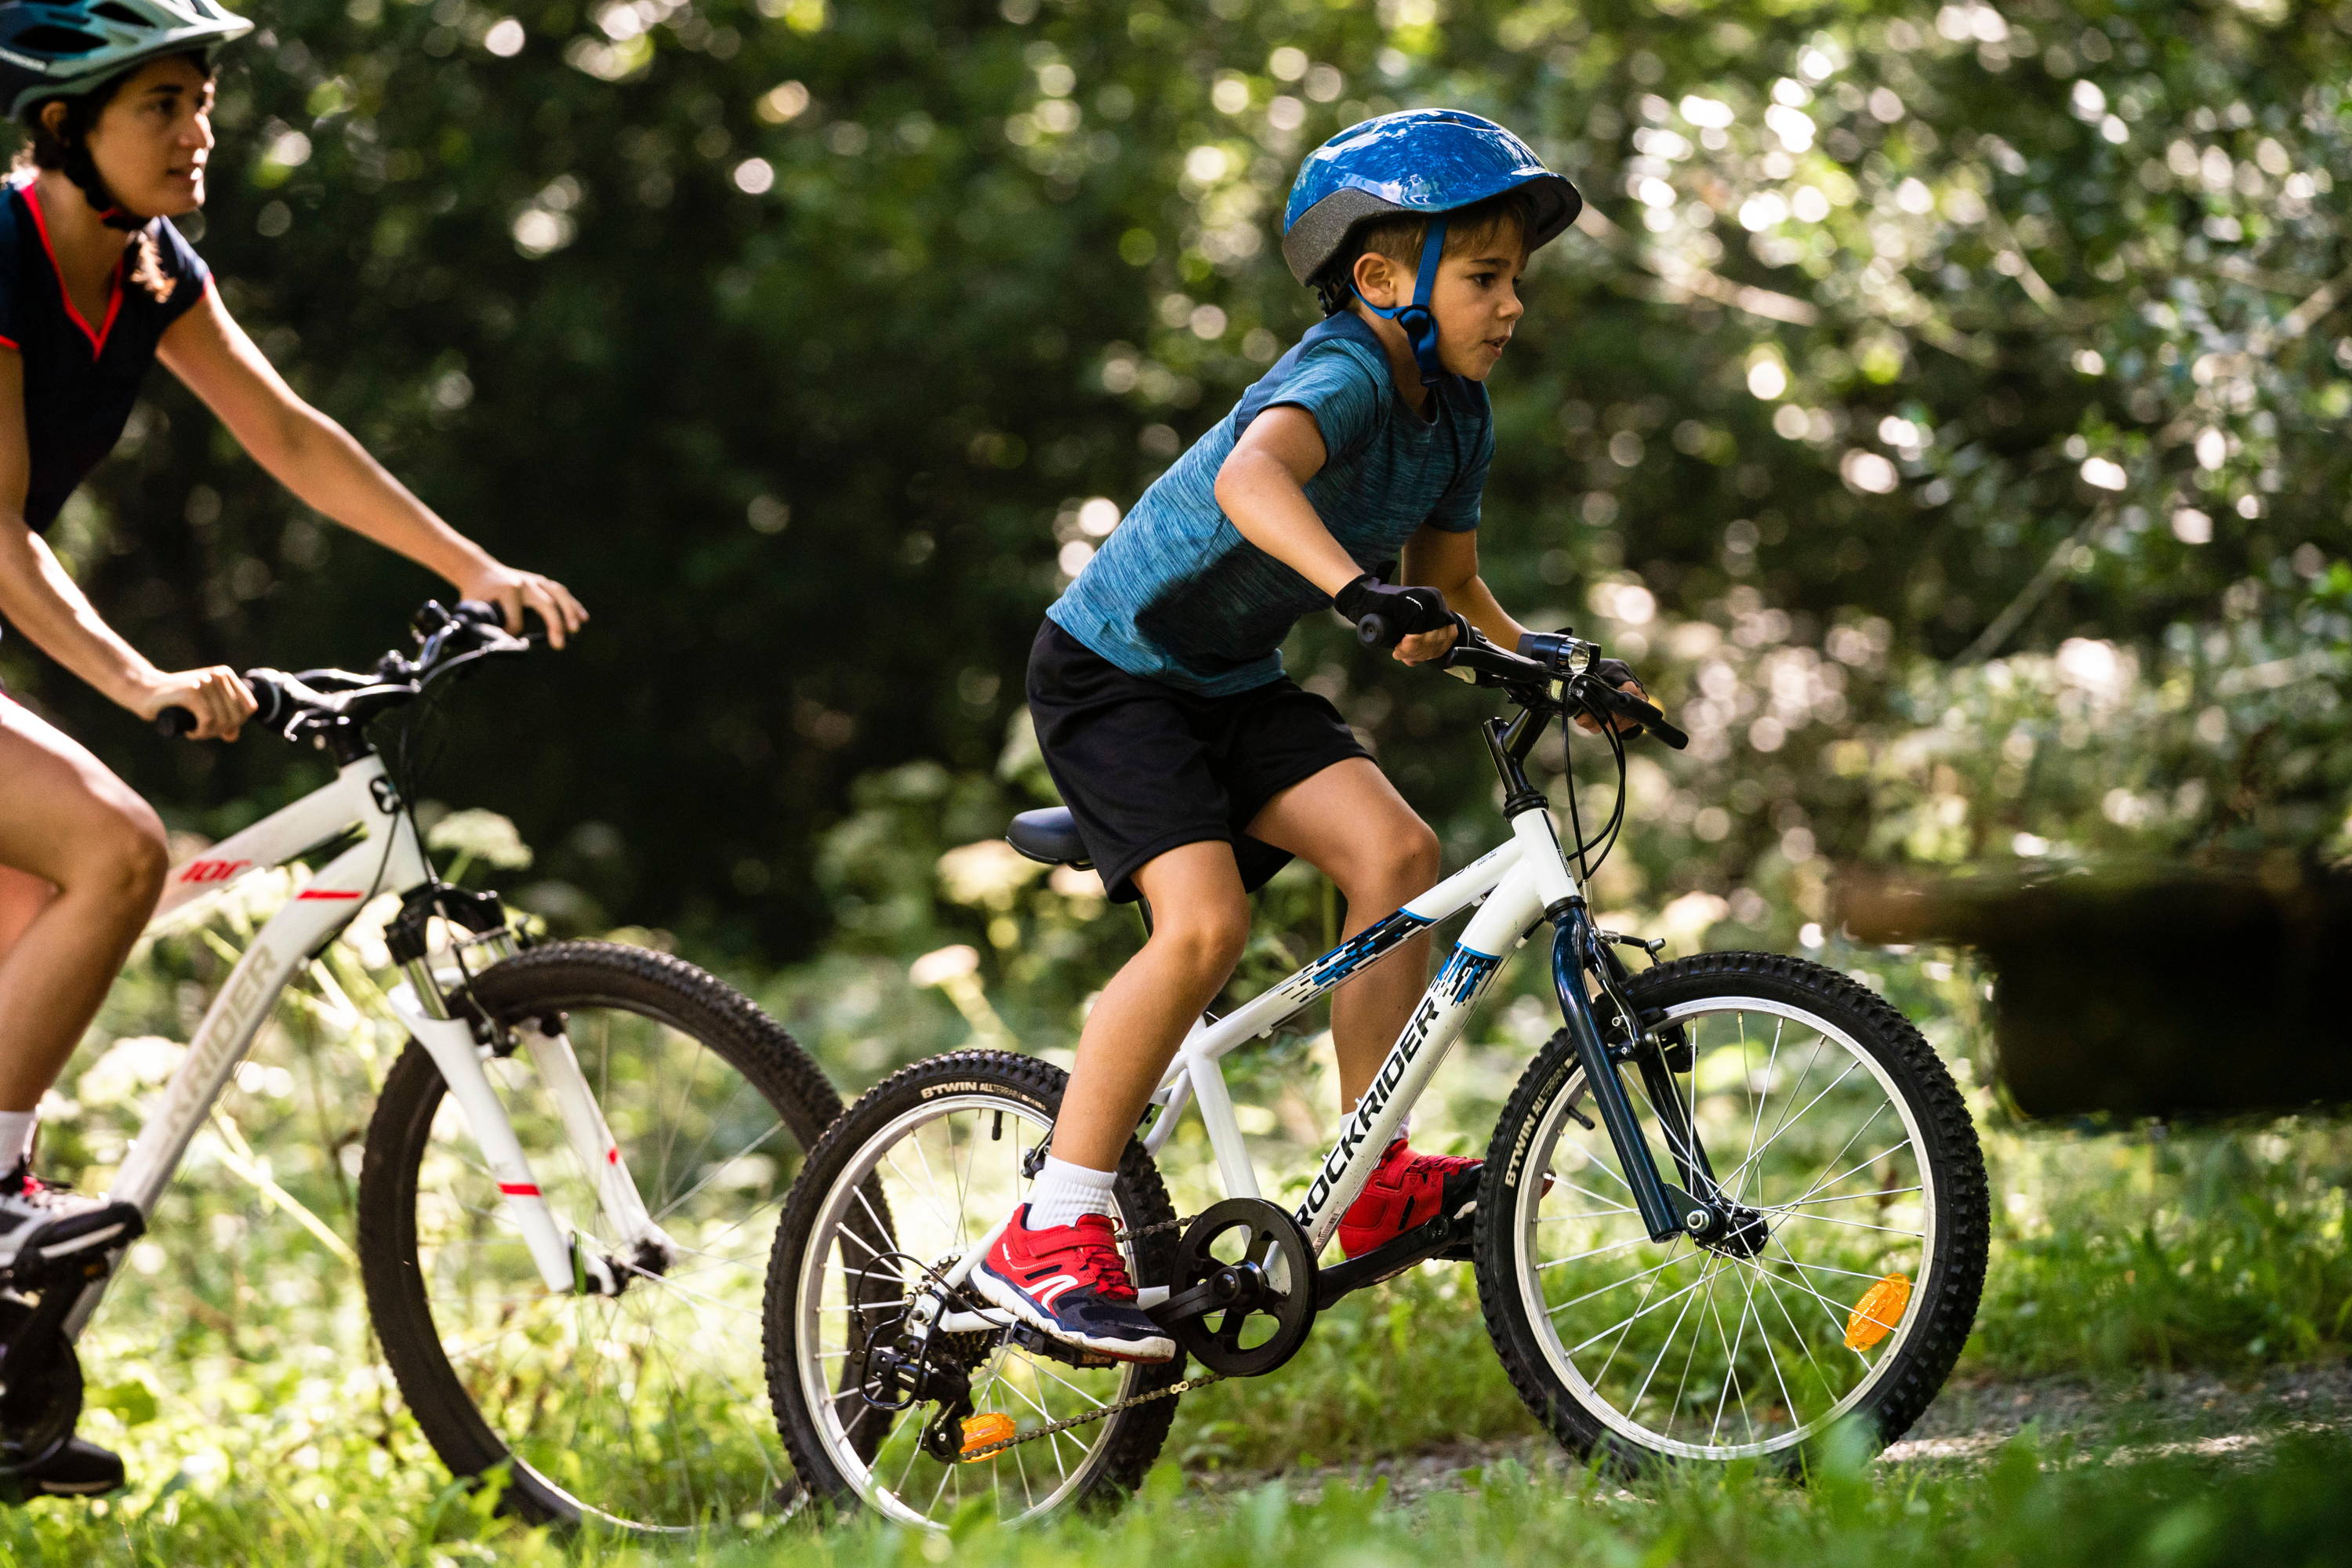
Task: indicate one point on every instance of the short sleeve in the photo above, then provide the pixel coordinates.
(1345, 397)
(1456, 510)
(186, 269)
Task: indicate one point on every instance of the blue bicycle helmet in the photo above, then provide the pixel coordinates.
(1417, 162)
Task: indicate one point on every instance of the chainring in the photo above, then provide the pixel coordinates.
(40, 1408)
(1249, 1258)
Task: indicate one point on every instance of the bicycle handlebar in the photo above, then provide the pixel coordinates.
(1474, 652)
(448, 639)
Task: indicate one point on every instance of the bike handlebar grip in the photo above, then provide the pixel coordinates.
(1372, 631)
(172, 723)
(1665, 732)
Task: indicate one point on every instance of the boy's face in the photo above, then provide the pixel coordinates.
(1476, 300)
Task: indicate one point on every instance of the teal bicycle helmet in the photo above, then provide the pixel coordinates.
(64, 48)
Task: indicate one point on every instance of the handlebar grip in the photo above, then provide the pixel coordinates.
(1649, 716)
(172, 723)
(1372, 631)
(1673, 736)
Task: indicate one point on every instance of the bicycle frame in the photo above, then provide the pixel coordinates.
(360, 799)
(1517, 887)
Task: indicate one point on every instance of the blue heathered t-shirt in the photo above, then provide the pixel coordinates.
(1177, 594)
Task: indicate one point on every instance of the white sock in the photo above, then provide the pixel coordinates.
(1064, 1193)
(15, 1137)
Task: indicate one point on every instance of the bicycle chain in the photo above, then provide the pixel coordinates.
(1118, 1407)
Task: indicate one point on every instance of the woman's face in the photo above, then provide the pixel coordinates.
(153, 139)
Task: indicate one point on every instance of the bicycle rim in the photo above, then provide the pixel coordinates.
(947, 1171)
(1715, 1352)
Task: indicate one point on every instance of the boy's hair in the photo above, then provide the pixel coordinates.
(1400, 239)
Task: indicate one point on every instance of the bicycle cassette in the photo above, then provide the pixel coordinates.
(1242, 1299)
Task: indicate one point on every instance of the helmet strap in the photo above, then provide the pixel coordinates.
(1420, 325)
(83, 169)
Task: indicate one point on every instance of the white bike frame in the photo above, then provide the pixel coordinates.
(1519, 882)
(384, 857)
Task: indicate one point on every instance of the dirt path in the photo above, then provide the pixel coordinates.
(2161, 1413)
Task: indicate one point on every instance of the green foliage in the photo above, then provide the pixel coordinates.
(796, 336)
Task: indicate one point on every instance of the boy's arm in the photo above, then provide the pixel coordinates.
(1448, 561)
(1261, 488)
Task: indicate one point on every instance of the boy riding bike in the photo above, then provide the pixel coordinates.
(96, 284)
(1194, 768)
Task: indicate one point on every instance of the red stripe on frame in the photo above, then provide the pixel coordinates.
(322, 894)
(518, 1189)
(613, 1156)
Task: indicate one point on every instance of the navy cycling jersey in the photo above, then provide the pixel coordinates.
(1177, 594)
(80, 378)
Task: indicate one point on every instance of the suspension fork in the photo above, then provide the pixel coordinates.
(1666, 1210)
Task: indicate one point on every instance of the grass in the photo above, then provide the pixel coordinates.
(235, 1367)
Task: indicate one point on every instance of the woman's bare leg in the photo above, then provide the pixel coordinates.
(1200, 922)
(68, 822)
(1350, 823)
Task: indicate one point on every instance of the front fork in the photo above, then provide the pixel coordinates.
(1666, 1210)
(457, 1048)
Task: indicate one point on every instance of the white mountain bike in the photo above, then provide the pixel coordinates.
(1808, 1249)
(569, 1180)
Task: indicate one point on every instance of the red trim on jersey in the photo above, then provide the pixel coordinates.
(10, 342)
(114, 299)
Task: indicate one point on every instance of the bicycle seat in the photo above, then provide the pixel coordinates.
(1050, 834)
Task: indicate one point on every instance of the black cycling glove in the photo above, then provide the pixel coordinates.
(1404, 611)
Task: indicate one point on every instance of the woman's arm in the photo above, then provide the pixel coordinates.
(317, 459)
(39, 600)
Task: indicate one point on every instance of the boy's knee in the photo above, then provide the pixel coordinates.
(1207, 943)
(1404, 862)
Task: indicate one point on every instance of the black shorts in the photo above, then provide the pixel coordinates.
(1145, 766)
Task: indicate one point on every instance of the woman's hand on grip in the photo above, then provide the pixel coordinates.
(216, 695)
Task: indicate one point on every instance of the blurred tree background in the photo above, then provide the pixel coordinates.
(1943, 404)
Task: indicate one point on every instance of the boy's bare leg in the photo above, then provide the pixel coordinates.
(1200, 922)
(1350, 823)
(67, 822)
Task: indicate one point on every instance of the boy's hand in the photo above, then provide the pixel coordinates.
(1422, 647)
(1618, 674)
(1404, 613)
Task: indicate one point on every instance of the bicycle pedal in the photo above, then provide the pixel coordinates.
(74, 1249)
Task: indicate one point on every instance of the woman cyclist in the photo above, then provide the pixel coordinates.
(116, 99)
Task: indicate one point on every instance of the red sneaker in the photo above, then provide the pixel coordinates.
(1071, 1282)
(1406, 1190)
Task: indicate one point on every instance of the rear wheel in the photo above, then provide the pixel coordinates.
(912, 1177)
(1847, 1286)
(643, 1408)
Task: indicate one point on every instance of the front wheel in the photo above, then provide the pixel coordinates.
(1845, 1288)
(643, 1409)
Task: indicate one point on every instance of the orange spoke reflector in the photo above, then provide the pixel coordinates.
(989, 1426)
(1873, 1317)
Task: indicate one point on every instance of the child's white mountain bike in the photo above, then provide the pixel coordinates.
(571, 1179)
(1735, 1201)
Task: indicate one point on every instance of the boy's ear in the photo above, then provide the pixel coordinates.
(1376, 280)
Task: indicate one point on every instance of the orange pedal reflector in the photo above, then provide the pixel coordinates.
(1873, 1317)
(980, 1431)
